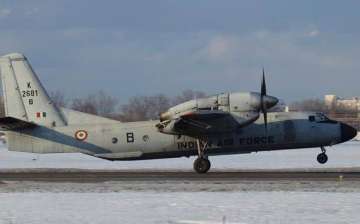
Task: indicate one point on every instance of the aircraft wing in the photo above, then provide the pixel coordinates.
(11, 123)
(200, 123)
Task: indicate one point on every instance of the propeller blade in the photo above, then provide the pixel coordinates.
(262, 101)
(265, 120)
(263, 84)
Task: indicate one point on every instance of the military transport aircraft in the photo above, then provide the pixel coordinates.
(228, 123)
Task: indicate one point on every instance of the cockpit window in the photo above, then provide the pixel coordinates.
(320, 118)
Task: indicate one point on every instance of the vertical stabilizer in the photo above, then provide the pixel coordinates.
(24, 96)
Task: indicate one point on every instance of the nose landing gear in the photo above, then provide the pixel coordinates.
(202, 163)
(322, 158)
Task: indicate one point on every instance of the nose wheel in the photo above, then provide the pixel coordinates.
(202, 163)
(322, 158)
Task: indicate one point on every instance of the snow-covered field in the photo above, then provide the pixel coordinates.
(182, 202)
(344, 155)
(180, 207)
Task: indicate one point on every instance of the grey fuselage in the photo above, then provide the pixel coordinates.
(142, 140)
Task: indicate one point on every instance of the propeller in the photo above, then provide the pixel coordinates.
(265, 100)
(263, 108)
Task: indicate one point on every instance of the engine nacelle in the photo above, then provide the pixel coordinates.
(245, 105)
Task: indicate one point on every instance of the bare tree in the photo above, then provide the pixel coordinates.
(309, 105)
(144, 107)
(149, 107)
(58, 98)
(98, 104)
(187, 95)
(84, 105)
(157, 104)
(135, 110)
(104, 103)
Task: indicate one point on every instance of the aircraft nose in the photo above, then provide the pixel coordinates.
(270, 101)
(347, 132)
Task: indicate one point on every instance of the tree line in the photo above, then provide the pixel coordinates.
(140, 108)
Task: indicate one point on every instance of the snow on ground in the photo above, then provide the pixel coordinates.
(182, 202)
(182, 207)
(343, 155)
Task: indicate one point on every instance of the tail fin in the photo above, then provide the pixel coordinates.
(24, 96)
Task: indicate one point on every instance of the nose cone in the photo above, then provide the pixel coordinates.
(347, 132)
(270, 101)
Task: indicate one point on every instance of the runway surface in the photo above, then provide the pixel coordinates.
(80, 175)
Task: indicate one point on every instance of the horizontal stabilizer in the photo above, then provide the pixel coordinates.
(11, 123)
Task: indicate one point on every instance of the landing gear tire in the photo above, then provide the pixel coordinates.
(202, 165)
(322, 158)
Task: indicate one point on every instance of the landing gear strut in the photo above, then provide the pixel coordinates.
(322, 158)
(202, 163)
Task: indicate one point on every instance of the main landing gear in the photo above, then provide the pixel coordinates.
(322, 158)
(202, 163)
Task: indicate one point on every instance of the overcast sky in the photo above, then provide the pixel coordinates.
(308, 48)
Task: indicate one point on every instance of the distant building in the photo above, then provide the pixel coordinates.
(280, 107)
(334, 101)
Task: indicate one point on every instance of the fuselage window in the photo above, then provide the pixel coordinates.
(114, 140)
(145, 138)
(311, 118)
